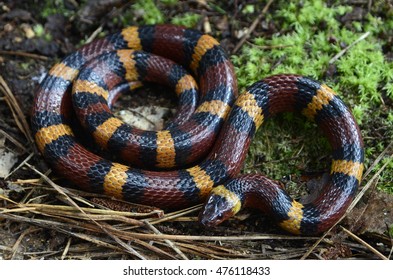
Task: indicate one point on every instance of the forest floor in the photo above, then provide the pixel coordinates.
(43, 217)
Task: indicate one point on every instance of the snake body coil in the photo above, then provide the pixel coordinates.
(212, 140)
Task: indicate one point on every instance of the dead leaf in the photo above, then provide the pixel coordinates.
(375, 215)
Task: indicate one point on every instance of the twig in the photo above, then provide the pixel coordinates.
(94, 34)
(25, 54)
(174, 215)
(170, 243)
(342, 52)
(5, 248)
(71, 209)
(154, 249)
(85, 217)
(369, 5)
(65, 251)
(13, 141)
(20, 238)
(147, 236)
(361, 241)
(58, 188)
(252, 27)
(19, 166)
(378, 159)
(215, 251)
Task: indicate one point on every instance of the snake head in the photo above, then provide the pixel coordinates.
(220, 206)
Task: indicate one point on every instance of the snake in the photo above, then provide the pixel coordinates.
(198, 156)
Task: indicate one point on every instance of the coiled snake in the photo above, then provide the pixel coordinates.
(203, 148)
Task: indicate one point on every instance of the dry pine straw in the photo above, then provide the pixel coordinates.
(135, 233)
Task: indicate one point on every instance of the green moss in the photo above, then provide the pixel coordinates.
(310, 37)
(52, 7)
(311, 14)
(39, 31)
(169, 2)
(25, 65)
(216, 7)
(187, 20)
(150, 13)
(248, 9)
(364, 69)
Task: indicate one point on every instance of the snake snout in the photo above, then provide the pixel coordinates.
(216, 210)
